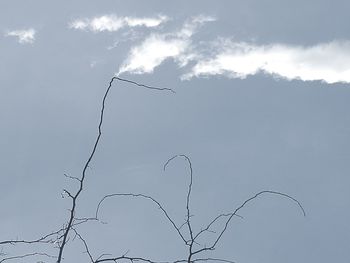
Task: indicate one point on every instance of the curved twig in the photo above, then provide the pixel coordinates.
(144, 197)
(188, 216)
(212, 222)
(240, 207)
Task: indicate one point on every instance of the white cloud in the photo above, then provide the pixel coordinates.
(147, 22)
(113, 23)
(152, 52)
(156, 48)
(190, 27)
(24, 36)
(328, 62)
(127, 36)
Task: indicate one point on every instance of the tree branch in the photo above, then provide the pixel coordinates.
(144, 197)
(26, 256)
(234, 213)
(86, 165)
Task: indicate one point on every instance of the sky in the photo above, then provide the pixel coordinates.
(261, 103)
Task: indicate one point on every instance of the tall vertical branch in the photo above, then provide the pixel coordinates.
(188, 198)
(61, 237)
(74, 197)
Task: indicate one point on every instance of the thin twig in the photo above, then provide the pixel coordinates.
(188, 215)
(26, 256)
(144, 197)
(212, 247)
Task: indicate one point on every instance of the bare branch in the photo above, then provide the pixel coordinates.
(192, 240)
(190, 243)
(212, 247)
(26, 256)
(188, 222)
(213, 259)
(132, 259)
(48, 238)
(144, 86)
(144, 197)
(68, 193)
(87, 251)
(87, 163)
(72, 177)
(212, 222)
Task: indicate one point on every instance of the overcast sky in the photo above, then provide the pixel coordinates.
(262, 103)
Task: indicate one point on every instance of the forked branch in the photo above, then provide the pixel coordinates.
(193, 254)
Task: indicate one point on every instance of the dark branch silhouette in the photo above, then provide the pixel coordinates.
(81, 180)
(61, 236)
(48, 238)
(190, 239)
(144, 197)
(143, 85)
(185, 231)
(188, 215)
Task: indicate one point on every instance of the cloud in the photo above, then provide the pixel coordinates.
(114, 23)
(328, 62)
(191, 27)
(24, 36)
(156, 48)
(147, 22)
(152, 52)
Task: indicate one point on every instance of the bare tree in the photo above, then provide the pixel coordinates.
(59, 238)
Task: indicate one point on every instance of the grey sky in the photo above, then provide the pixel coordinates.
(276, 120)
